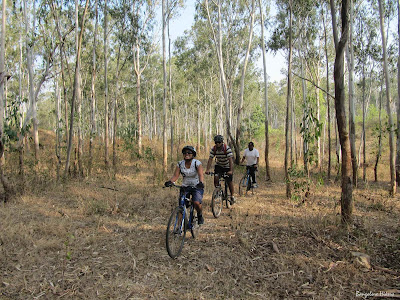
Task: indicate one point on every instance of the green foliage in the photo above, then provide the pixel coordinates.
(254, 124)
(12, 129)
(149, 155)
(311, 129)
(299, 181)
(128, 136)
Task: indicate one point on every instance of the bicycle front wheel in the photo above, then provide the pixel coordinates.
(242, 185)
(216, 202)
(176, 232)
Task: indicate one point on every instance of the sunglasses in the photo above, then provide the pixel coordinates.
(218, 142)
(187, 152)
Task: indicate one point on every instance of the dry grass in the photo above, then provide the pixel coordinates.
(97, 238)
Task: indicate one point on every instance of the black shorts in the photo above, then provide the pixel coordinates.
(220, 170)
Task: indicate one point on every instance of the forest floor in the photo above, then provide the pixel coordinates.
(97, 238)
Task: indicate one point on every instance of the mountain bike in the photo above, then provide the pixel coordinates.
(245, 183)
(183, 218)
(220, 196)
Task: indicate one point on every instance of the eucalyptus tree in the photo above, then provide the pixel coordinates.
(3, 78)
(76, 89)
(392, 190)
(398, 99)
(39, 45)
(164, 60)
(304, 35)
(106, 91)
(352, 114)
(229, 23)
(328, 102)
(340, 45)
(143, 12)
(366, 50)
(267, 168)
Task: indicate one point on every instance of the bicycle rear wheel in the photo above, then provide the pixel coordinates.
(195, 226)
(242, 185)
(176, 232)
(216, 202)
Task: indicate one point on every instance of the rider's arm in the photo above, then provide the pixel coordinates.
(200, 172)
(230, 165)
(258, 159)
(176, 175)
(243, 158)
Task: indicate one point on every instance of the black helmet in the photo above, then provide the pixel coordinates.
(190, 148)
(218, 138)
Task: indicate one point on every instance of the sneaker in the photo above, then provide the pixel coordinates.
(200, 220)
(232, 200)
(255, 185)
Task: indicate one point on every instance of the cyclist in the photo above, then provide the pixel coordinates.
(193, 178)
(223, 163)
(252, 157)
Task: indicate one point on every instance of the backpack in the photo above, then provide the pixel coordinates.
(214, 149)
(180, 167)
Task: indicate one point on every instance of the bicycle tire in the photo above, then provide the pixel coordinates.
(242, 185)
(175, 235)
(216, 202)
(195, 226)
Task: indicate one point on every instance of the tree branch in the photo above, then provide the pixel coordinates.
(318, 87)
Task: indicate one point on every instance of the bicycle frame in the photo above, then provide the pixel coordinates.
(186, 202)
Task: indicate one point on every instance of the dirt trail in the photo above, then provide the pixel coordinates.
(99, 239)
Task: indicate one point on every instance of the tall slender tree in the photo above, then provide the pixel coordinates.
(76, 88)
(392, 190)
(288, 103)
(340, 45)
(267, 168)
(398, 100)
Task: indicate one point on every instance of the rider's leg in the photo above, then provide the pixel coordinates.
(216, 180)
(253, 174)
(197, 200)
(231, 188)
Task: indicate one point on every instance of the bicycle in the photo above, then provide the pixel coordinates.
(220, 196)
(183, 217)
(246, 182)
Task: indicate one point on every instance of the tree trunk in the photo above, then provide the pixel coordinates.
(288, 107)
(93, 93)
(76, 88)
(165, 147)
(241, 98)
(363, 125)
(352, 114)
(398, 101)
(327, 99)
(266, 151)
(8, 190)
(392, 190)
(347, 185)
(305, 122)
(223, 82)
(170, 92)
(106, 117)
(378, 155)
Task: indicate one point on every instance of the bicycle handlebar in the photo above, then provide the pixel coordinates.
(223, 175)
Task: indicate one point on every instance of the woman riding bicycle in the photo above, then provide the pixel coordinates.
(192, 173)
